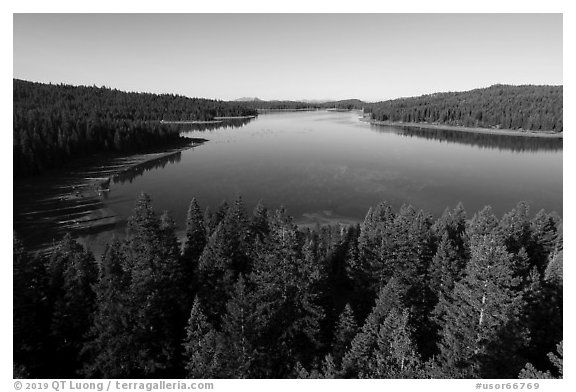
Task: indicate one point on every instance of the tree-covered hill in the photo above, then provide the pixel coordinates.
(55, 123)
(535, 108)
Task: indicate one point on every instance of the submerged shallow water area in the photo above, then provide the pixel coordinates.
(329, 167)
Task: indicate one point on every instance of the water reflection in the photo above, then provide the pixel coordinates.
(212, 126)
(130, 174)
(482, 140)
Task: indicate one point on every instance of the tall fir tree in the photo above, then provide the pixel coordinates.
(109, 346)
(203, 346)
(483, 223)
(155, 291)
(396, 354)
(344, 332)
(482, 305)
(285, 289)
(71, 274)
(545, 237)
(240, 328)
(371, 267)
(259, 221)
(414, 250)
(30, 314)
(195, 233)
(358, 358)
(215, 275)
(194, 243)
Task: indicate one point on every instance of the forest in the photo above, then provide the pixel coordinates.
(54, 124)
(259, 104)
(535, 108)
(250, 295)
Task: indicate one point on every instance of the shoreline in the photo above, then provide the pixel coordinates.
(216, 120)
(190, 122)
(234, 117)
(74, 199)
(288, 110)
(488, 131)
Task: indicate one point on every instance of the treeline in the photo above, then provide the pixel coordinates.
(250, 295)
(299, 105)
(54, 124)
(535, 108)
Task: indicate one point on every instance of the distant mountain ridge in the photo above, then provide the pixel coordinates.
(248, 99)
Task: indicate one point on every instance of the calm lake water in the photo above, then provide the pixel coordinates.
(329, 167)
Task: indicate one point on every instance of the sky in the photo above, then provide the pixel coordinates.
(289, 56)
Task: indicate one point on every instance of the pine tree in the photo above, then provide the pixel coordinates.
(203, 346)
(453, 224)
(109, 347)
(545, 235)
(482, 304)
(447, 267)
(483, 223)
(215, 275)
(285, 290)
(362, 348)
(515, 226)
(238, 235)
(554, 270)
(395, 355)
(155, 291)
(240, 331)
(412, 257)
(371, 268)
(259, 221)
(210, 221)
(412, 248)
(71, 273)
(176, 273)
(196, 238)
(345, 330)
(30, 312)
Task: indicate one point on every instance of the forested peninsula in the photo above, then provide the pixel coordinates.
(53, 124)
(251, 296)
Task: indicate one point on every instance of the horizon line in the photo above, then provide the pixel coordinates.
(285, 100)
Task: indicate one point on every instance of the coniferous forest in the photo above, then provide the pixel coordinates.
(54, 124)
(249, 295)
(534, 108)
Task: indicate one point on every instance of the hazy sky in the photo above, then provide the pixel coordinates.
(289, 56)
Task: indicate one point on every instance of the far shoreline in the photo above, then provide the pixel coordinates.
(488, 131)
(215, 120)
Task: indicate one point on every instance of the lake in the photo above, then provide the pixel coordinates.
(328, 167)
